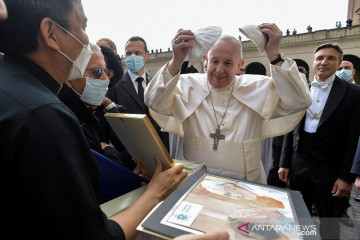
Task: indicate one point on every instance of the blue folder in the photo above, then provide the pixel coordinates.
(116, 180)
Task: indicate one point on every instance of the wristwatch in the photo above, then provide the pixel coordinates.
(281, 57)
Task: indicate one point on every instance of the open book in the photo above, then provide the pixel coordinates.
(140, 139)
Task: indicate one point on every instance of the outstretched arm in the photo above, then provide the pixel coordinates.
(160, 186)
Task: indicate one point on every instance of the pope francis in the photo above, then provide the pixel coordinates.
(221, 116)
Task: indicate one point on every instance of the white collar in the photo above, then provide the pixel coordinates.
(224, 89)
(134, 76)
(330, 79)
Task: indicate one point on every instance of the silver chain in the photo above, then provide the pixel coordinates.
(232, 88)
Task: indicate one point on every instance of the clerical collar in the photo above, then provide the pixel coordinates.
(38, 72)
(330, 80)
(225, 89)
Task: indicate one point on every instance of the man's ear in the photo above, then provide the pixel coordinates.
(241, 63)
(110, 74)
(49, 33)
(147, 55)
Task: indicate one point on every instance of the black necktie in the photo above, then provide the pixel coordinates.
(140, 88)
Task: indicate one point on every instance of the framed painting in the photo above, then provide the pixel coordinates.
(247, 210)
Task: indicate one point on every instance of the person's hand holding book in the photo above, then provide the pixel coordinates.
(163, 183)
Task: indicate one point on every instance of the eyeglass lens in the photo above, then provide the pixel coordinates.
(98, 71)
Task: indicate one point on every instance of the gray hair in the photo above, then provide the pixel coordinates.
(229, 38)
(330, 45)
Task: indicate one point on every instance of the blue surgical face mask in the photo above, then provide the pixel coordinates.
(134, 63)
(94, 91)
(345, 74)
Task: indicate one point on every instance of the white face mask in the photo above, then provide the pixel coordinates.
(80, 63)
(94, 91)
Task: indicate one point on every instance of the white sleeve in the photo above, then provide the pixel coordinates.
(292, 91)
(160, 92)
(285, 65)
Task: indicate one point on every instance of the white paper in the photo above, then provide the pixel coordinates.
(185, 214)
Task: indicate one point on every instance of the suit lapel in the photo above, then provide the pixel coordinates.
(335, 96)
(129, 86)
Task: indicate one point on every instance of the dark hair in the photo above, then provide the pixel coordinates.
(20, 31)
(255, 68)
(302, 69)
(330, 45)
(113, 62)
(137, 38)
(191, 69)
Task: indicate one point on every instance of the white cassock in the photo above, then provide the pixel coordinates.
(260, 107)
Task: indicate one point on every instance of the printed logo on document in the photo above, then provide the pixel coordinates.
(185, 213)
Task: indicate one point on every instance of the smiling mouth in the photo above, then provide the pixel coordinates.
(218, 77)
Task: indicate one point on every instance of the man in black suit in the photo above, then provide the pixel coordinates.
(129, 91)
(47, 167)
(320, 150)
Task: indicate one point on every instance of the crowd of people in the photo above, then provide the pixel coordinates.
(56, 86)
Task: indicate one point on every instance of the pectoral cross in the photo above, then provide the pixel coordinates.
(216, 136)
(315, 116)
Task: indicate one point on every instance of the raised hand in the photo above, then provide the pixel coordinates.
(180, 45)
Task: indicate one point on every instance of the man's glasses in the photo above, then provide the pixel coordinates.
(137, 53)
(97, 72)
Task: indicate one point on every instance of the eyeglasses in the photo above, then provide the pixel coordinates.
(137, 53)
(97, 72)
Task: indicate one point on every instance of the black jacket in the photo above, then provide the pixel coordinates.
(124, 93)
(335, 140)
(91, 126)
(50, 180)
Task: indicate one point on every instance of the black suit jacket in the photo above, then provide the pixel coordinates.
(334, 144)
(124, 93)
(92, 129)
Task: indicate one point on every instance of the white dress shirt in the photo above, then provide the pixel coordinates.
(133, 78)
(319, 97)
